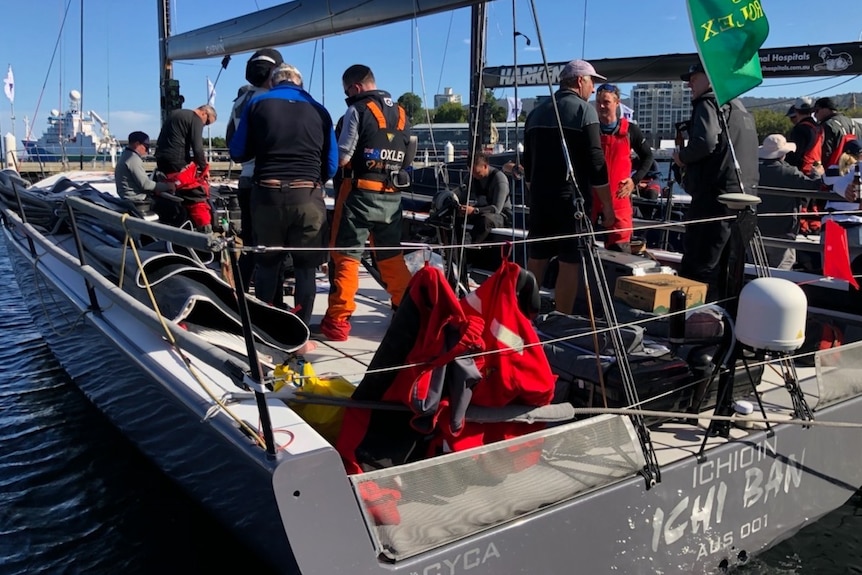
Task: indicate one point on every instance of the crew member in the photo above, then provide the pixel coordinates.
(619, 138)
(778, 174)
(180, 157)
(489, 194)
(292, 141)
(374, 145)
(708, 169)
(838, 129)
(807, 136)
(131, 178)
(257, 72)
(553, 188)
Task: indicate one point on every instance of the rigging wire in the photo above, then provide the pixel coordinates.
(50, 65)
(584, 30)
(445, 48)
(589, 257)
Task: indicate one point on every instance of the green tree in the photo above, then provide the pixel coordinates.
(450, 112)
(771, 122)
(218, 141)
(498, 112)
(412, 104)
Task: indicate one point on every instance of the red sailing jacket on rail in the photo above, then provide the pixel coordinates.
(518, 373)
(427, 334)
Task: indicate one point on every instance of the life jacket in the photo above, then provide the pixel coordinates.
(515, 368)
(382, 145)
(836, 153)
(847, 129)
(428, 337)
(815, 152)
(618, 150)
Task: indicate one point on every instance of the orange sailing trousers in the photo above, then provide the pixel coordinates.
(361, 215)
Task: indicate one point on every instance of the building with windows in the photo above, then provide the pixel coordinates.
(448, 96)
(432, 139)
(658, 106)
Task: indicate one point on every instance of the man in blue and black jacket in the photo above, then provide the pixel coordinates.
(292, 141)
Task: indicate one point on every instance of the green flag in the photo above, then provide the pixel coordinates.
(728, 34)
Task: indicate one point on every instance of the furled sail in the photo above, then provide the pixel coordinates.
(298, 21)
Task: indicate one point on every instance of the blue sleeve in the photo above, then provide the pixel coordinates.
(330, 147)
(238, 152)
(332, 154)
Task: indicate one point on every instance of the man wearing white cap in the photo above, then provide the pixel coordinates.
(552, 191)
(778, 174)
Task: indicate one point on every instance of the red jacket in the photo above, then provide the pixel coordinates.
(518, 373)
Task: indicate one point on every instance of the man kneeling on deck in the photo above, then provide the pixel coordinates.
(488, 205)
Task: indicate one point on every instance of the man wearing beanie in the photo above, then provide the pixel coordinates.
(257, 72)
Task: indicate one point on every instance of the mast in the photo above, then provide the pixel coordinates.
(81, 140)
(478, 39)
(165, 65)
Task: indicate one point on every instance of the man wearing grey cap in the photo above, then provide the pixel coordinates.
(130, 176)
(552, 191)
(808, 137)
(708, 172)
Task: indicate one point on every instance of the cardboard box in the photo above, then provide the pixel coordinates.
(652, 292)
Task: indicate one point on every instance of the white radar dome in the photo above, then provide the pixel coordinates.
(771, 315)
(75, 95)
(55, 112)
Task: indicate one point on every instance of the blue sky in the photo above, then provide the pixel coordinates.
(121, 51)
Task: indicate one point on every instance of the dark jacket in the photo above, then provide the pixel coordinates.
(180, 141)
(709, 170)
(544, 162)
(491, 194)
(780, 174)
(289, 136)
(835, 128)
(807, 134)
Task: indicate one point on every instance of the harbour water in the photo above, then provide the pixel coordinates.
(76, 497)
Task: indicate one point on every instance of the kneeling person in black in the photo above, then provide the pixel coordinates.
(492, 207)
(292, 141)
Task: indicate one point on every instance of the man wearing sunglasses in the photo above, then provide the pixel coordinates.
(708, 171)
(374, 148)
(619, 138)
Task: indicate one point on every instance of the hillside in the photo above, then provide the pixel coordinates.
(843, 101)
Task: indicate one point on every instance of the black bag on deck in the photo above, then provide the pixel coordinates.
(656, 371)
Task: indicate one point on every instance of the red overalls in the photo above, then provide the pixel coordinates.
(618, 150)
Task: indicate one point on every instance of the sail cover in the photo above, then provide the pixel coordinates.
(298, 21)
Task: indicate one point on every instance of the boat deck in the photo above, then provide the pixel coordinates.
(673, 440)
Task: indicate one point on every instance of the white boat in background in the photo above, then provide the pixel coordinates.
(72, 135)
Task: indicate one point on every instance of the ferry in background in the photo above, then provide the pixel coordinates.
(71, 135)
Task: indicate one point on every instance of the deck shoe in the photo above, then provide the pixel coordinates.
(332, 330)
